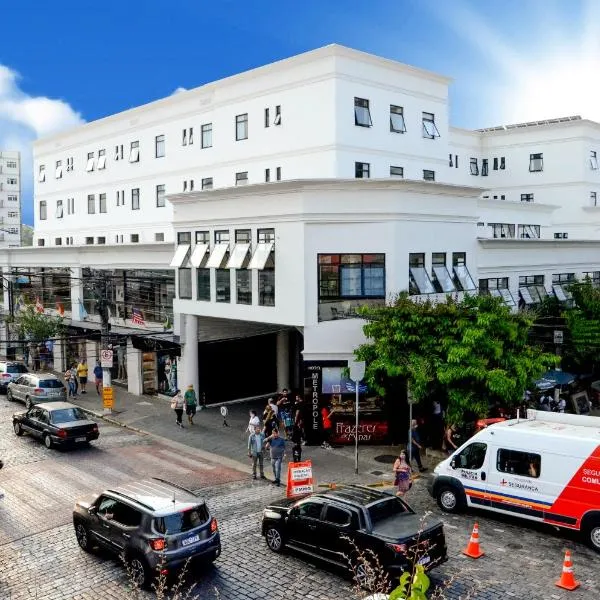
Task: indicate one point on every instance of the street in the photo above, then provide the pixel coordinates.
(39, 556)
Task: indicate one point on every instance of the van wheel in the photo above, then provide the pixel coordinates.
(448, 500)
(592, 534)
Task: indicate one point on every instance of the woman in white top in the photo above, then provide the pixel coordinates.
(254, 421)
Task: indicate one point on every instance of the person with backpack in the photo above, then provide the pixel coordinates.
(191, 402)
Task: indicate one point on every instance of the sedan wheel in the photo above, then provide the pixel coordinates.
(48, 441)
(9, 396)
(274, 539)
(17, 428)
(83, 536)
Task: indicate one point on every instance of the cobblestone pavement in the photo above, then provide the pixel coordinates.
(39, 557)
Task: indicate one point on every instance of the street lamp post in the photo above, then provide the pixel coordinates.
(357, 373)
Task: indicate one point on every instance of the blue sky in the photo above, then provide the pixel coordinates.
(67, 62)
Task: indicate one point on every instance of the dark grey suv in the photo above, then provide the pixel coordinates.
(153, 523)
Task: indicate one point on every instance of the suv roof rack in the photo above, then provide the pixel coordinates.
(130, 498)
(176, 485)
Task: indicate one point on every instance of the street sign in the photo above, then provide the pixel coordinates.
(108, 398)
(106, 358)
(558, 336)
(357, 370)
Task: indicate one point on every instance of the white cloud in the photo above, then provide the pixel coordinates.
(23, 119)
(179, 90)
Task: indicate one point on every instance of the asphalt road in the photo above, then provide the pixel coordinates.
(40, 559)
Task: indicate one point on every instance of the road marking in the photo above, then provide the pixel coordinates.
(501, 549)
(498, 530)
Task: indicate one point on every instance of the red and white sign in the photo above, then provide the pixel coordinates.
(299, 479)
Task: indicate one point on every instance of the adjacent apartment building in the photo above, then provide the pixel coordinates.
(10, 199)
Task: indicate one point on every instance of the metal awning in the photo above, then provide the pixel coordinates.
(443, 277)
(180, 256)
(507, 297)
(216, 258)
(527, 297)
(260, 256)
(421, 280)
(562, 293)
(198, 255)
(464, 278)
(236, 260)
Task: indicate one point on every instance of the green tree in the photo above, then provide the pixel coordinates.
(471, 352)
(36, 326)
(583, 322)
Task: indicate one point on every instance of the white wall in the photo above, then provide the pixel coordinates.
(10, 199)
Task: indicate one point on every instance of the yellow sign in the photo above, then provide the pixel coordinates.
(108, 397)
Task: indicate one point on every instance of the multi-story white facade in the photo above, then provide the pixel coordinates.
(10, 198)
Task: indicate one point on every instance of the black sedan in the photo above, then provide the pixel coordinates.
(339, 524)
(56, 424)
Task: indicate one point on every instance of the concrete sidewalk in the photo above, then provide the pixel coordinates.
(153, 415)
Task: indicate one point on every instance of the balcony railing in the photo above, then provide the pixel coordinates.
(345, 309)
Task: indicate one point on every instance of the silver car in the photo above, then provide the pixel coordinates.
(36, 388)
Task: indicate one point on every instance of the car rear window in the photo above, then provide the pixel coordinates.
(50, 383)
(385, 510)
(65, 415)
(181, 522)
(16, 369)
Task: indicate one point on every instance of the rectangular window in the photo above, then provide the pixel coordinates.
(119, 152)
(450, 160)
(438, 259)
(266, 236)
(159, 237)
(362, 114)
(101, 160)
(495, 163)
(203, 284)
(526, 197)
(134, 238)
(266, 287)
(241, 128)
(502, 230)
(42, 174)
(484, 167)
(459, 259)
(134, 152)
(243, 286)
(267, 175)
(89, 241)
(159, 146)
(243, 236)
(536, 163)
(593, 160)
(90, 162)
(58, 241)
(12, 198)
(277, 119)
(12, 180)
(531, 280)
(184, 237)
(428, 175)
(11, 164)
(474, 166)
(102, 203)
(241, 178)
(397, 172)
(207, 183)
(43, 210)
(184, 281)
(456, 161)
(515, 462)
(160, 195)
(135, 199)
(348, 276)
(206, 135)
(184, 137)
(59, 209)
(41, 242)
(593, 199)
(202, 237)
(91, 204)
(440, 275)
(397, 124)
(416, 260)
(430, 130)
(222, 236)
(529, 232)
(71, 206)
(362, 170)
(563, 278)
(561, 236)
(278, 173)
(223, 285)
(59, 169)
(502, 163)
(267, 119)
(101, 240)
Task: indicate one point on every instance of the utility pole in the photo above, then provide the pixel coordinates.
(106, 353)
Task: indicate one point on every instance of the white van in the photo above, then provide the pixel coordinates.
(544, 468)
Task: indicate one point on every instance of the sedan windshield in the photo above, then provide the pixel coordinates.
(66, 415)
(386, 509)
(182, 521)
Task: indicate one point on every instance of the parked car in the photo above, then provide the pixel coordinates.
(10, 371)
(151, 523)
(36, 388)
(56, 424)
(373, 521)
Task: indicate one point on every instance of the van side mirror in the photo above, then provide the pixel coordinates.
(453, 463)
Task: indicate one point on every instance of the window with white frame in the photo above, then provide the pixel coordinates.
(362, 113)
(120, 197)
(267, 175)
(502, 163)
(536, 162)
(450, 160)
(397, 124)
(43, 210)
(134, 152)
(593, 159)
(59, 170)
(58, 241)
(135, 199)
(484, 167)
(277, 119)
(207, 183)
(101, 159)
(502, 230)
(362, 170)
(241, 127)
(42, 174)
(69, 164)
(527, 197)
(529, 232)
(187, 136)
(70, 206)
(206, 135)
(59, 209)
(13, 214)
(159, 237)
(241, 178)
(91, 203)
(267, 118)
(134, 238)
(278, 174)
(428, 175)
(430, 130)
(101, 240)
(89, 240)
(119, 152)
(474, 166)
(90, 162)
(561, 236)
(11, 180)
(12, 198)
(11, 164)
(102, 203)
(188, 185)
(159, 146)
(160, 195)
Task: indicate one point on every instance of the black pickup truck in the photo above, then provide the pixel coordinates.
(331, 525)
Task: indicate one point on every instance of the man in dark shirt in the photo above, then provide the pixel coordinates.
(276, 446)
(415, 445)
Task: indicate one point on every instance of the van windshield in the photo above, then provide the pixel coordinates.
(181, 522)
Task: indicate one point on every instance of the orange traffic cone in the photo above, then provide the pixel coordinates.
(567, 580)
(473, 550)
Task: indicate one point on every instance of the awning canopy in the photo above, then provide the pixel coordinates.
(260, 256)
(464, 277)
(216, 258)
(444, 279)
(198, 255)
(180, 256)
(236, 260)
(421, 280)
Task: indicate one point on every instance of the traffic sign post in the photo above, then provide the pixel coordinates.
(108, 398)
(357, 373)
(106, 359)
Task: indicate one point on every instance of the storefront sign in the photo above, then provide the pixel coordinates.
(368, 431)
(108, 398)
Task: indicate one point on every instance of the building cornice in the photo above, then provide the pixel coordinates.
(532, 207)
(529, 244)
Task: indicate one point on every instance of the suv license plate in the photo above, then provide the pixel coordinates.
(424, 560)
(81, 439)
(190, 540)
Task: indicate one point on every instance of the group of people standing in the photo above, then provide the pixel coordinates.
(39, 356)
(76, 378)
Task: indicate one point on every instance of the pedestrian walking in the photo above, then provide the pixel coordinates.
(190, 403)
(98, 376)
(74, 379)
(253, 422)
(71, 388)
(255, 451)
(276, 445)
(82, 373)
(415, 445)
(177, 404)
(402, 474)
(286, 420)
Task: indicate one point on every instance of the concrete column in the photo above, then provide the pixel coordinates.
(91, 353)
(134, 370)
(77, 309)
(283, 359)
(188, 364)
(59, 352)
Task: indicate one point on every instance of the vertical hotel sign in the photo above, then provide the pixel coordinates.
(312, 400)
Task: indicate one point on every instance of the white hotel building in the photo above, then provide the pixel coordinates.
(280, 199)
(10, 199)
